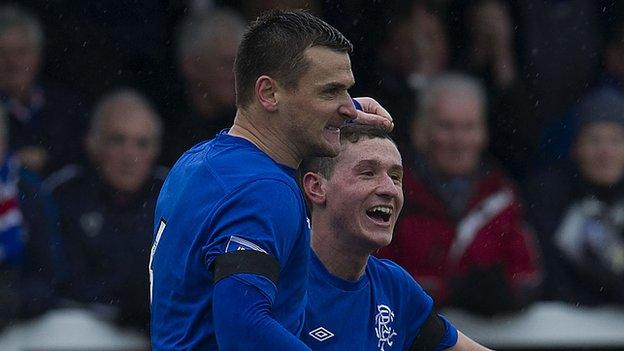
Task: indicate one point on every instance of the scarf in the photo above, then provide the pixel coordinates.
(11, 231)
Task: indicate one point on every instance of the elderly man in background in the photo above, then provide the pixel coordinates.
(45, 121)
(107, 208)
(461, 234)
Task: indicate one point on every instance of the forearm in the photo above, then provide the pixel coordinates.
(243, 321)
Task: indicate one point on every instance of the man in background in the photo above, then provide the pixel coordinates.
(106, 209)
(462, 234)
(45, 121)
(28, 260)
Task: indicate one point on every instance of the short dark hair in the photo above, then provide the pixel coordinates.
(274, 45)
(351, 133)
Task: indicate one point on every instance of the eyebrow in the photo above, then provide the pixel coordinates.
(376, 164)
(397, 168)
(367, 163)
(336, 85)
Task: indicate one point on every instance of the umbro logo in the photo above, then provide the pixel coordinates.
(321, 334)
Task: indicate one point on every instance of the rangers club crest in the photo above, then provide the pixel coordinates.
(383, 329)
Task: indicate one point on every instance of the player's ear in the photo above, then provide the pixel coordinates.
(266, 89)
(314, 187)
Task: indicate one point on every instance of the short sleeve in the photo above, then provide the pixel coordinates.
(450, 335)
(264, 215)
(422, 305)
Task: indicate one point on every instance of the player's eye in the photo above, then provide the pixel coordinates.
(368, 173)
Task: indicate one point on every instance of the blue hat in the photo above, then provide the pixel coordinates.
(604, 105)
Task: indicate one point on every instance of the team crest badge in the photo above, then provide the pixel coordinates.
(383, 328)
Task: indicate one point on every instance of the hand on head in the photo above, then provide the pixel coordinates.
(373, 113)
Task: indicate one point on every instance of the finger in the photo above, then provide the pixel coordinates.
(374, 119)
(370, 105)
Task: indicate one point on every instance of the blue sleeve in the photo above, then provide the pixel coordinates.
(265, 215)
(450, 335)
(421, 305)
(242, 318)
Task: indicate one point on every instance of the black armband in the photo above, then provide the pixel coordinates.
(246, 261)
(430, 335)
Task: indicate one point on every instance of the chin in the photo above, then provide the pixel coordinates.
(380, 240)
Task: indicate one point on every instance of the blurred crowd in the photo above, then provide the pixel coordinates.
(509, 116)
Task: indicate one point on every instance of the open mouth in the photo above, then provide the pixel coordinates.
(380, 213)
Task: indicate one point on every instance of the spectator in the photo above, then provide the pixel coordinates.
(107, 208)
(577, 208)
(415, 49)
(206, 50)
(556, 138)
(461, 234)
(27, 234)
(45, 121)
(490, 54)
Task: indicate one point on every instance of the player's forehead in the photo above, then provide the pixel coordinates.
(327, 67)
(370, 152)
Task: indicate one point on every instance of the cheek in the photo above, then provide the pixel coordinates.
(441, 139)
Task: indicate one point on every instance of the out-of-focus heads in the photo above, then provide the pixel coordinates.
(450, 128)
(21, 49)
(124, 139)
(206, 49)
(417, 43)
(599, 144)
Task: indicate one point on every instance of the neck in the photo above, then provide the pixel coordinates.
(340, 260)
(261, 130)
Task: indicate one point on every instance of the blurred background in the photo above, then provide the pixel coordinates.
(509, 115)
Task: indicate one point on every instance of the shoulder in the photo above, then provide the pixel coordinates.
(391, 274)
(65, 179)
(31, 190)
(29, 182)
(403, 292)
(495, 177)
(272, 197)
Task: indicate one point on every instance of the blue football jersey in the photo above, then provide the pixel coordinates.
(383, 311)
(221, 196)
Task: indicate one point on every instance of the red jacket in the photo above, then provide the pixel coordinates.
(436, 250)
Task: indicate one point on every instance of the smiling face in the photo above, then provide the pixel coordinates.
(454, 135)
(599, 153)
(312, 113)
(125, 149)
(20, 60)
(364, 194)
